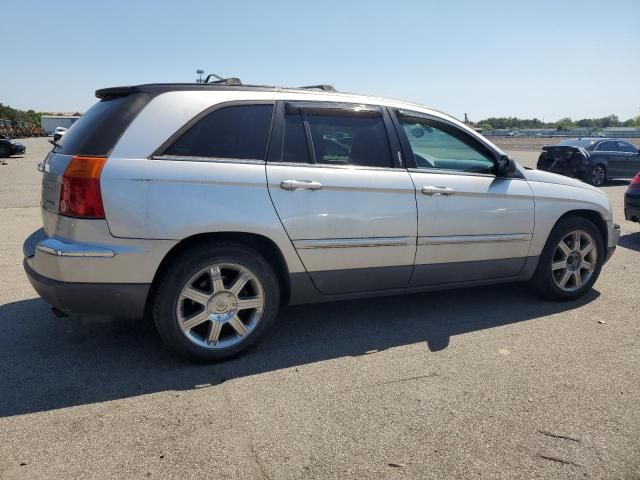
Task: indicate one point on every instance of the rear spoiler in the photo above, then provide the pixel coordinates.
(115, 92)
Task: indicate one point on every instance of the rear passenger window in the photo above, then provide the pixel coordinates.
(238, 131)
(607, 147)
(626, 147)
(336, 139)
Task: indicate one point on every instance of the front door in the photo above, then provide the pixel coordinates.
(472, 225)
(336, 183)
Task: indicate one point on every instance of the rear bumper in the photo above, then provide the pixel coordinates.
(48, 256)
(108, 299)
(614, 236)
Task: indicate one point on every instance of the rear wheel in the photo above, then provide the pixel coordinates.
(214, 302)
(571, 260)
(597, 176)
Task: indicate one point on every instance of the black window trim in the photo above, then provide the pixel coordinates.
(407, 151)
(311, 107)
(158, 154)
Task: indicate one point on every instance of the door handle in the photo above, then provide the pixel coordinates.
(300, 185)
(445, 191)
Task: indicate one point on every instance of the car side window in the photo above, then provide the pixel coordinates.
(238, 132)
(440, 146)
(333, 138)
(607, 146)
(626, 147)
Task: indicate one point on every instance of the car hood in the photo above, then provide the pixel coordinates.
(548, 177)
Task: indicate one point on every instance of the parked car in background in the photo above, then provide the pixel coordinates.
(210, 206)
(632, 200)
(10, 147)
(594, 160)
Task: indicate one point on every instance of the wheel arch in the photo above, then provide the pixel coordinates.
(593, 216)
(263, 245)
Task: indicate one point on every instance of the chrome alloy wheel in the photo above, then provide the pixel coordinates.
(220, 306)
(574, 260)
(597, 175)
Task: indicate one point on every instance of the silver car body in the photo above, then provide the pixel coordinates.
(366, 230)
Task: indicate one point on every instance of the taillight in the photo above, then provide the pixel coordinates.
(636, 180)
(80, 191)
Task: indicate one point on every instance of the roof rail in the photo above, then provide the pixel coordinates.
(323, 87)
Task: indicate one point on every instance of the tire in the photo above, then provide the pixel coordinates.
(234, 327)
(5, 152)
(597, 176)
(549, 274)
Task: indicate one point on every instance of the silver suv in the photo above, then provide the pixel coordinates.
(210, 206)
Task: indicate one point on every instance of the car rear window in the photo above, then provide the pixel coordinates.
(98, 130)
(238, 132)
(577, 143)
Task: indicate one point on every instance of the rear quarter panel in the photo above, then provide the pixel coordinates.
(174, 200)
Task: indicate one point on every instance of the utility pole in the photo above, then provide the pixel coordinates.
(199, 78)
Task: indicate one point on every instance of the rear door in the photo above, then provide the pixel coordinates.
(343, 197)
(629, 158)
(615, 163)
(472, 225)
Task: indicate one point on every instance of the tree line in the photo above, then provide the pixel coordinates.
(16, 115)
(567, 123)
(493, 123)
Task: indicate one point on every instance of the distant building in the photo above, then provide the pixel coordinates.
(620, 132)
(48, 123)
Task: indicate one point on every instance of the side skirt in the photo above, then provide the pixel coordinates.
(304, 291)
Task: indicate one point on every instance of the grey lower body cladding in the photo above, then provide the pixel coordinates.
(367, 282)
(126, 300)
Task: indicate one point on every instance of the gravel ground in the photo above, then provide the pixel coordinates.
(477, 383)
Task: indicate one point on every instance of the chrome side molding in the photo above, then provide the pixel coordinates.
(58, 248)
(353, 242)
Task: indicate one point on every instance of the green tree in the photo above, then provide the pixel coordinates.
(565, 124)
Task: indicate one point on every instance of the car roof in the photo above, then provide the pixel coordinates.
(315, 93)
(328, 90)
(318, 90)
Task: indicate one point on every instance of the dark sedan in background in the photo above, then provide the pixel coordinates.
(10, 147)
(632, 200)
(594, 160)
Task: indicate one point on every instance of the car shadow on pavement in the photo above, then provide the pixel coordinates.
(49, 363)
(630, 241)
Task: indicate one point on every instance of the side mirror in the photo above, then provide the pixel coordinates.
(506, 167)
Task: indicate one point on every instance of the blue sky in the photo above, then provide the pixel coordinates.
(542, 59)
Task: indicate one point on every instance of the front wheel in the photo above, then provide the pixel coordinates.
(597, 176)
(5, 151)
(215, 301)
(571, 260)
